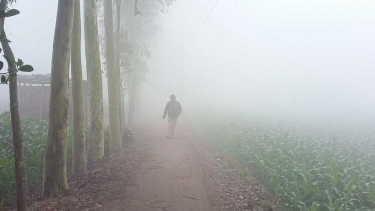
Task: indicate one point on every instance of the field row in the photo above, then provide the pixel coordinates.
(34, 135)
(308, 170)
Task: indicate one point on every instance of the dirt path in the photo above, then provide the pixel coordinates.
(169, 179)
(160, 174)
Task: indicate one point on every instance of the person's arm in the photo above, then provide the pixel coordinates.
(166, 110)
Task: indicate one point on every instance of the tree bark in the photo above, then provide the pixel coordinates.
(78, 148)
(54, 172)
(123, 116)
(118, 11)
(19, 157)
(94, 79)
(133, 104)
(115, 142)
(129, 19)
(137, 99)
(132, 99)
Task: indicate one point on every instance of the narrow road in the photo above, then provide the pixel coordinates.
(154, 173)
(170, 178)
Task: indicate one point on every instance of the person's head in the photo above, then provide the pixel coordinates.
(173, 97)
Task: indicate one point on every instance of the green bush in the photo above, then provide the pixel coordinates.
(307, 169)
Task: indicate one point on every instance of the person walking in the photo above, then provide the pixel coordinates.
(173, 109)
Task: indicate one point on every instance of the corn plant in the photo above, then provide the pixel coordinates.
(308, 170)
(35, 133)
(34, 139)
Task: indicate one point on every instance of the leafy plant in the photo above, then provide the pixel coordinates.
(35, 134)
(308, 170)
(4, 79)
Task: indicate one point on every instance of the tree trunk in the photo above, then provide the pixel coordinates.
(19, 157)
(137, 99)
(132, 97)
(79, 155)
(123, 117)
(94, 79)
(130, 19)
(118, 11)
(54, 172)
(135, 95)
(115, 142)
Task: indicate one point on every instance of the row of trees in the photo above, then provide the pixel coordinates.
(125, 55)
(135, 30)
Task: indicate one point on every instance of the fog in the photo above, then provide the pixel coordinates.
(278, 58)
(290, 58)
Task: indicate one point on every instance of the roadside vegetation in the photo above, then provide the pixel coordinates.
(34, 139)
(308, 168)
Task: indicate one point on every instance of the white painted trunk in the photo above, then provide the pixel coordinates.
(94, 79)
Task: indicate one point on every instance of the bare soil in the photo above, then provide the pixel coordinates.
(156, 173)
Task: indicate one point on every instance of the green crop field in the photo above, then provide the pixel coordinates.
(34, 139)
(309, 169)
(35, 133)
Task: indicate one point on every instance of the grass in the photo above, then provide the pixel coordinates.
(309, 169)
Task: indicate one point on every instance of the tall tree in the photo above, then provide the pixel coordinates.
(131, 26)
(115, 142)
(94, 79)
(54, 172)
(79, 155)
(19, 157)
(118, 32)
(136, 21)
(140, 31)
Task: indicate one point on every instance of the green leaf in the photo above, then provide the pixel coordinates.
(12, 12)
(3, 79)
(26, 68)
(11, 75)
(19, 63)
(314, 206)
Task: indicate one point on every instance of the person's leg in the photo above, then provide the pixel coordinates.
(174, 126)
(170, 127)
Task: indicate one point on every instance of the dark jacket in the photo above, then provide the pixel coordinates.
(173, 108)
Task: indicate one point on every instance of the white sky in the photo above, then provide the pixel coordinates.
(289, 57)
(281, 57)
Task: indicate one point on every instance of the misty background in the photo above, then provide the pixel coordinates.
(283, 59)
